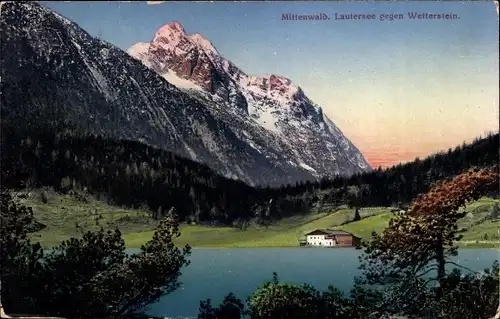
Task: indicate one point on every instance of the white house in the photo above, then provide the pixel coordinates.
(319, 238)
(331, 238)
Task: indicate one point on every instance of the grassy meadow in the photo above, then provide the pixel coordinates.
(65, 217)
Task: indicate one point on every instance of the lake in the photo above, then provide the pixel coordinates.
(214, 273)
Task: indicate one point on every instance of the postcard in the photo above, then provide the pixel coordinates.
(249, 159)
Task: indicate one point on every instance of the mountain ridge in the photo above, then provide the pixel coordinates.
(99, 88)
(273, 102)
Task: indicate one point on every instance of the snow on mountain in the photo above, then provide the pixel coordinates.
(139, 50)
(182, 97)
(273, 105)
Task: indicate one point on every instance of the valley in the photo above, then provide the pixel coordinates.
(218, 145)
(66, 216)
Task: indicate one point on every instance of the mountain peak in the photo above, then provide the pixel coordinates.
(261, 133)
(172, 35)
(173, 27)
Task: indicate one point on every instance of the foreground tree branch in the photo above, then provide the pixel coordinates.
(426, 233)
(91, 276)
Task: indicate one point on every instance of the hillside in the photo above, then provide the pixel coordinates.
(131, 174)
(400, 184)
(478, 225)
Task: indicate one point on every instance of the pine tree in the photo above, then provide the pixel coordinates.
(357, 216)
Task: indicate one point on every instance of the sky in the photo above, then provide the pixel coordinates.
(397, 89)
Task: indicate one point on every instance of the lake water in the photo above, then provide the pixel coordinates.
(214, 273)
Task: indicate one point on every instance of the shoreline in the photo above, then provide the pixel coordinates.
(229, 246)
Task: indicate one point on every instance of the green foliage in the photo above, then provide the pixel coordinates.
(468, 296)
(231, 308)
(16, 251)
(277, 300)
(401, 263)
(281, 300)
(366, 299)
(16, 223)
(464, 297)
(90, 276)
(336, 305)
(376, 297)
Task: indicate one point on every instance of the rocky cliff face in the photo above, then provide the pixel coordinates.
(274, 103)
(262, 130)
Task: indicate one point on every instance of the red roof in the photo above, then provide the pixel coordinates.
(330, 233)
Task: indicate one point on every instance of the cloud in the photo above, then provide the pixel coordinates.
(155, 2)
